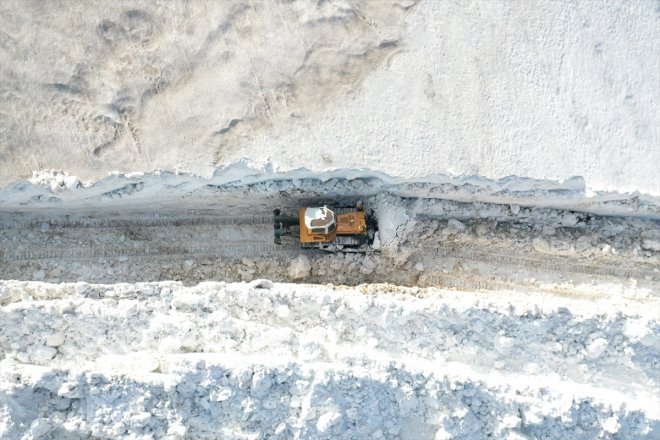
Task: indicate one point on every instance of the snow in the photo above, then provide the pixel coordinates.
(449, 363)
(145, 142)
(300, 267)
(414, 88)
(160, 189)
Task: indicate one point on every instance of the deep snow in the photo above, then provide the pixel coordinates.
(258, 360)
(57, 189)
(544, 90)
(489, 136)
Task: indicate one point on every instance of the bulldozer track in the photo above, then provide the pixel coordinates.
(227, 249)
(81, 241)
(120, 222)
(547, 263)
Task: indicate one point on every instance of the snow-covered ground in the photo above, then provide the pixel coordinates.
(545, 90)
(510, 151)
(258, 360)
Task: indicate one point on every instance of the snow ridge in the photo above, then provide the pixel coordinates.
(56, 189)
(264, 360)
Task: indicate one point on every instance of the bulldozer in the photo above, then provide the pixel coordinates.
(341, 228)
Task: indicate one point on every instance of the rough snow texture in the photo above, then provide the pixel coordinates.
(59, 190)
(410, 88)
(228, 236)
(281, 361)
(392, 102)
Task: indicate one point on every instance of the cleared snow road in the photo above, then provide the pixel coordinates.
(423, 243)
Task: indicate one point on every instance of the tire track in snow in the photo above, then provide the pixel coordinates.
(221, 249)
(42, 240)
(135, 235)
(110, 222)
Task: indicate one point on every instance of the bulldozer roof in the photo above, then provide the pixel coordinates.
(319, 217)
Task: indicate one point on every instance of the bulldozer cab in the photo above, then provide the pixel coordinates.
(320, 220)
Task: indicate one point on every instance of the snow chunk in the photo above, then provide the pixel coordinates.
(282, 310)
(221, 395)
(327, 420)
(391, 222)
(368, 266)
(300, 267)
(455, 225)
(651, 245)
(40, 427)
(42, 354)
(176, 430)
(55, 340)
(596, 348)
(261, 284)
(611, 425)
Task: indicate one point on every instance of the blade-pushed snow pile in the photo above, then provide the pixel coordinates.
(263, 360)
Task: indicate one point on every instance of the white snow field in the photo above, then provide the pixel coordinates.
(509, 150)
(539, 89)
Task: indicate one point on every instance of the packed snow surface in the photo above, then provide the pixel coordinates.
(541, 89)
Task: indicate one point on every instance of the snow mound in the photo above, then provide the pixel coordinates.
(255, 360)
(300, 267)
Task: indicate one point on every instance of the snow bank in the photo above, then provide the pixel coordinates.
(58, 190)
(266, 360)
